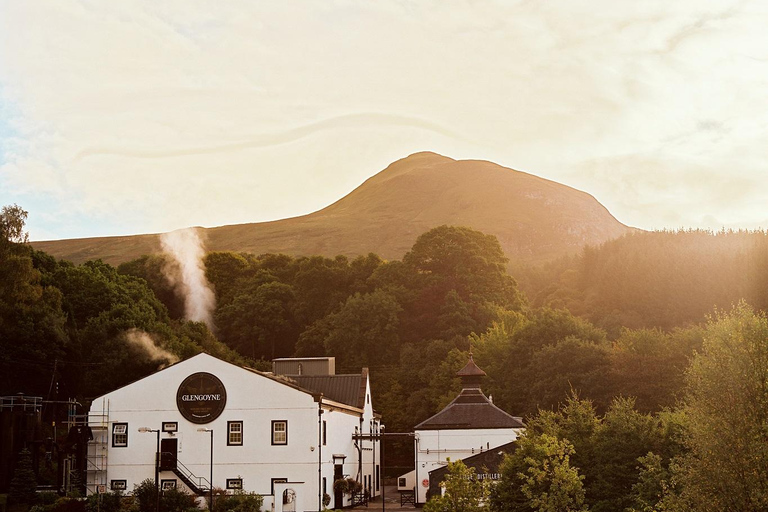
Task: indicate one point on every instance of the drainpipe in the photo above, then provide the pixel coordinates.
(319, 400)
(360, 455)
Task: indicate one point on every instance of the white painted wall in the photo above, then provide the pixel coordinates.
(252, 398)
(435, 447)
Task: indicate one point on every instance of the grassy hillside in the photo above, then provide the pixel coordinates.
(533, 218)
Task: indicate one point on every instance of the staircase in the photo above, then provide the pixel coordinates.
(197, 484)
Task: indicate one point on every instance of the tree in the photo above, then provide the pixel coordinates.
(467, 261)
(12, 220)
(457, 277)
(726, 409)
(464, 492)
(362, 333)
(154, 270)
(538, 477)
(23, 484)
(258, 322)
(31, 319)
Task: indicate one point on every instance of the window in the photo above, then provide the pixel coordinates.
(234, 483)
(167, 484)
(401, 482)
(119, 435)
(118, 485)
(277, 481)
(279, 432)
(377, 477)
(170, 426)
(235, 433)
(325, 431)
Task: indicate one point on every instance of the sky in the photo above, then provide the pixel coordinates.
(143, 116)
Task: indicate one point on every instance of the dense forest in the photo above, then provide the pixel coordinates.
(605, 354)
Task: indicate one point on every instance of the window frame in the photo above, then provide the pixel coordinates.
(169, 483)
(115, 427)
(275, 423)
(232, 484)
(230, 424)
(115, 485)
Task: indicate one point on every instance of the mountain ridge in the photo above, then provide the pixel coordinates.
(533, 218)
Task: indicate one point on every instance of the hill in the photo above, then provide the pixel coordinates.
(534, 219)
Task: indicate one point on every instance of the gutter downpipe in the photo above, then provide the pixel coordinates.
(319, 400)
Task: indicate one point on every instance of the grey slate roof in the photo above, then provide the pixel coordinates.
(470, 410)
(345, 389)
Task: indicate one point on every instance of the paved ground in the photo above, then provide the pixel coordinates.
(391, 502)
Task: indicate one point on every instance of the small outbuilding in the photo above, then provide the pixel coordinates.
(470, 425)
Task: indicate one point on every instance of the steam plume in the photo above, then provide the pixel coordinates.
(144, 341)
(186, 249)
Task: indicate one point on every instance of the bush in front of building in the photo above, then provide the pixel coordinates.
(464, 492)
(171, 500)
(240, 501)
(177, 500)
(105, 502)
(64, 504)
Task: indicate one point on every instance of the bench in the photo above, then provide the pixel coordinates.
(359, 498)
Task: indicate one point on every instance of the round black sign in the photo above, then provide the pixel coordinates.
(201, 398)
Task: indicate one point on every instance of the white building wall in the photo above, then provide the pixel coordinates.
(435, 447)
(340, 420)
(255, 400)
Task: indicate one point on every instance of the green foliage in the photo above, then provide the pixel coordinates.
(64, 504)
(550, 350)
(464, 260)
(177, 500)
(650, 365)
(726, 411)
(347, 486)
(240, 501)
(362, 333)
(145, 495)
(105, 502)
(258, 322)
(31, 320)
(23, 484)
(538, 477)
(464, 492)
(608, 449)
(153, 269)
(663, 279)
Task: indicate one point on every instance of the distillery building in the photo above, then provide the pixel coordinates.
(287, 435)
(470, 425)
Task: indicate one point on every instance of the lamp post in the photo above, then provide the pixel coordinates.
(157, 465)
(210, 494)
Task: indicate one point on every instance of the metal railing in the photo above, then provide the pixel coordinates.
(200, 482)
(24, 403)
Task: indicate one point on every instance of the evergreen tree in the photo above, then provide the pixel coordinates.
(23, 484)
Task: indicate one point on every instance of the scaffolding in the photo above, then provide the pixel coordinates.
(96, 450)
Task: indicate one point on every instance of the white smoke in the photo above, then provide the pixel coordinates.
(186, 249)
(144, 341)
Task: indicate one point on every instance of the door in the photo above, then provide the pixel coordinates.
(338, 497)
(168, 450)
